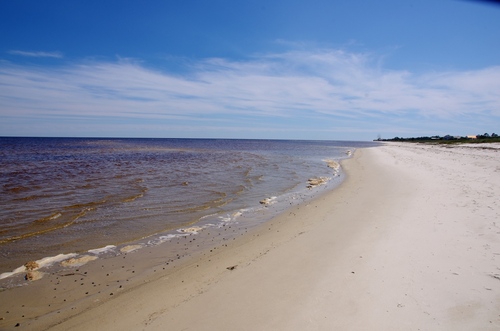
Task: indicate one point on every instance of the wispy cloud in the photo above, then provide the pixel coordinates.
(57, 55)
(310, 87)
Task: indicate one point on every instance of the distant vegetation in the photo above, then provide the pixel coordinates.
(480, 138)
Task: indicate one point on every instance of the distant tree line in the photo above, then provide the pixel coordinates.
(486, 136)
(480, 138)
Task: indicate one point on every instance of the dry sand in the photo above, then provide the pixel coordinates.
(410, 241)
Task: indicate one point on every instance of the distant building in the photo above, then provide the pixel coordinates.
(472, 137)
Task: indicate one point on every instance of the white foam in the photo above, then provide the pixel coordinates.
(12, 273)
(163, 239)
(192, 230)
(130, 248)
(207, 216)
(225, 219)
(48, 261)
(268, 201)
(42, 263)
(102, 249)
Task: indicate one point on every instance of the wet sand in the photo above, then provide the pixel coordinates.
(409, 241)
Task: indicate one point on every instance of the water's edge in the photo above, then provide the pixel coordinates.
(207, 232)
(94, 277)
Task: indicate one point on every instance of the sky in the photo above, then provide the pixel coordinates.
(256, 69)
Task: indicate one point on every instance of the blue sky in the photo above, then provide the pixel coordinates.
(315, 69)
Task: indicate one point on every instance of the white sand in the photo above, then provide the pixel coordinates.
(410, 241)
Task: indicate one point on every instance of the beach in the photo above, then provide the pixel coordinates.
(409, 241)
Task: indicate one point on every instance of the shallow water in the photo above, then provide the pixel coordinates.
(65, 195)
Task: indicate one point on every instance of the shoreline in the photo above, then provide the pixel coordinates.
(76, 195)
(407, 241)
(252, 213)
(98, 275)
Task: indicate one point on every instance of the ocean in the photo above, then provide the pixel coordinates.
(75, 195)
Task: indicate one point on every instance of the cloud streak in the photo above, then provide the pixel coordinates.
(321, 85)
(56, 55)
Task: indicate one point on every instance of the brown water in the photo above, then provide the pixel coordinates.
(62, 195)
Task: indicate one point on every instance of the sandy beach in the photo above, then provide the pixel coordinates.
(409, 241)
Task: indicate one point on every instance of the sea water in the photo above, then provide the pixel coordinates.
(73, 195)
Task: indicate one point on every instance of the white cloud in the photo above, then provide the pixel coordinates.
(57, 55)
(298, 84)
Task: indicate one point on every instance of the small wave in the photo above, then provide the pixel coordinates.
(133, 198)
(17, 189)
(49, 218)
(36, 233)
(221, 195)
(30, 197)
(247, 172)
(218, 202)
(52, 228)
(136, 196)
(241, 189)
(86, 205)
(193, 209)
